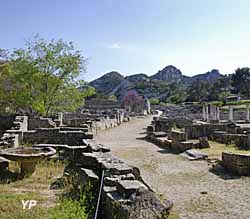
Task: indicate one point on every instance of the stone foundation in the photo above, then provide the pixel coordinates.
(236, 163)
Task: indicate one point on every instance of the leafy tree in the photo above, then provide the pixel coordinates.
(113, 97)
(241, 81)
(198, 90)
(154, 101)
(177, 93)
(220, 89)
(43, 77)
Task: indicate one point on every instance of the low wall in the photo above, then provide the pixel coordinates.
(125, 195)
(181, 111)
(237, 115)
(56, 136)
(98, 121)
(39, 122)
(236, 163)
(6, 122)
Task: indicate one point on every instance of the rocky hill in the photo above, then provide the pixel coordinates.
(108, 82)
(169, 74)
(211, 76)
(158, 85)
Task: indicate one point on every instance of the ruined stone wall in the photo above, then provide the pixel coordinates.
(6, 122)
(237, 115)
(166, 124)
(39, 122)
(124, 195)
(181, 111)
(55, 136)
(101, 104)
(236, 163)
(98, 121)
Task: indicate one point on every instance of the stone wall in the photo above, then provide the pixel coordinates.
(181, 111)
(166, 124)
(125, 195)
(101, 104)
(237, 115)
(12, 136)
(39, 122)
(236, 163)
(100, 121)
(6, 122)
(56, 136)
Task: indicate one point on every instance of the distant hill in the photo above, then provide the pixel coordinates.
(107, 83)
(211, 76)
(157, 85)
(169, 74)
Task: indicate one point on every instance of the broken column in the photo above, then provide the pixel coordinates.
(211, 107)
(247, 107)
(204, 116)
(230, 115)
(207, 113)
(218, 113)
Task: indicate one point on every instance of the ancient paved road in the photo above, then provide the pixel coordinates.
(197, 193)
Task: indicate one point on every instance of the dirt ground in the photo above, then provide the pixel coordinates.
(197, 193)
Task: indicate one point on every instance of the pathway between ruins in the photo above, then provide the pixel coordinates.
(196, 192)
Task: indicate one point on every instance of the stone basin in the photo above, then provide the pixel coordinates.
(27, 157)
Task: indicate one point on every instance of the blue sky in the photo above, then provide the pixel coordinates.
(137, 36)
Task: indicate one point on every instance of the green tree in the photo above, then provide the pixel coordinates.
(44, 76)
(241, 81)
(154, 101)
(198, 90)
(220, 89)
(177, 93)
(112, 97)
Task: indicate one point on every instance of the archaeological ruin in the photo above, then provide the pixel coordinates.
(183, 128)
(186, 130)
(70, 137)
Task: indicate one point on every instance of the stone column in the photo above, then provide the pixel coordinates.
(213, 112)
(207, 114)
(204, 116)
(230, 116)
(218, 113)
(61, 118)
(247, 107)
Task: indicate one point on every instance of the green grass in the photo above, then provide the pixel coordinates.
(50, 204)
(216, 149)
(11, 206)
(69, 209)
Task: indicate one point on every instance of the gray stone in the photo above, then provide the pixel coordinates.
(128, 187)
(203, 142)
(4, 164)
(195, 155)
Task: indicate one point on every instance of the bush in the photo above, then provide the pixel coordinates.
(154, 101)
(68, 209)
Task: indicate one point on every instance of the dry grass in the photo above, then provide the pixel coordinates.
(205, 204)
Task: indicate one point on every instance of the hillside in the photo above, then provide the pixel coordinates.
(108, 82)
(159, 85)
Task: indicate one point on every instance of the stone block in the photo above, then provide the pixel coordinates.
(4, 164)
(128, 187)
(203, 142)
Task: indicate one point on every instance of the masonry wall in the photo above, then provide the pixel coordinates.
(56, 136)
(236, 163)
(6, 122)
(125, 195)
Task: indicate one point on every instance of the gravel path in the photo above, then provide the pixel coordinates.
(196, 192)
